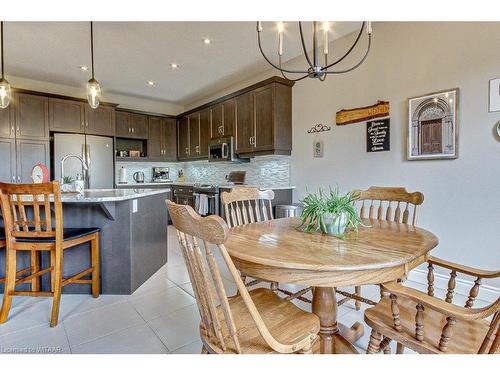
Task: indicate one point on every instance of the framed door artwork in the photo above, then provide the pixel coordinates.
(433, 126)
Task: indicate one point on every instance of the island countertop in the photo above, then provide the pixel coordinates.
(110, 195)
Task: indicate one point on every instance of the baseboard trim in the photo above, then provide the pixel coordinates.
(487, 292)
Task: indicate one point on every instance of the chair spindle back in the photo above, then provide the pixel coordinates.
(247, 205)
(389, 203)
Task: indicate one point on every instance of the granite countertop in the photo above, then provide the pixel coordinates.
(110, 195)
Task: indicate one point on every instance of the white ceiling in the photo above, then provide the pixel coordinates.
(128, 54)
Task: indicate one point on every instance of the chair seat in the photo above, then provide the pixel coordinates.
(286, 322)
(466, 339)
(69, 234)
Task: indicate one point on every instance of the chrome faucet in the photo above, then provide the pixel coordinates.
(85, 167)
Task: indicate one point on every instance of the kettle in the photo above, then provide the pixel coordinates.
(139, 177)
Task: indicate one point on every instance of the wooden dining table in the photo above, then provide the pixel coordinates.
(380, 251)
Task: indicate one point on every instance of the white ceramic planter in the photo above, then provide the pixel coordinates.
(335, 224)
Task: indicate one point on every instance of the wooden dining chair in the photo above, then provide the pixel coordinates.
(427, 324)
(245, 205)
(32, 223)
(256, 321)
(384, 203)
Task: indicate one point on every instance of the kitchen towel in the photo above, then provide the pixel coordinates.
(201, 204)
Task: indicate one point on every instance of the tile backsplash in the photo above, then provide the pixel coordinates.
(265, 171)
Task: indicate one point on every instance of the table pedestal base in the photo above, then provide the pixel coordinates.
(334, 337)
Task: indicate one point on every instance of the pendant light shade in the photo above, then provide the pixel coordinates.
(93, 87)
(93, 93)
(5, 92)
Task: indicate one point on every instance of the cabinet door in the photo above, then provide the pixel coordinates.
(244, 123)
(100, 121)
(169, 139)
(30, 153)
(217, 126)
(204, 132)
(8, 157)
(7, 129)
(139, 126)
(229, 115)
(264, 118)
(32, 116)
(66, 115)
(155, 149)
(194, 135)
(123, 124)
(183, 143)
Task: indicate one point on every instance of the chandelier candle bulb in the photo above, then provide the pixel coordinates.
(280, 38)
(325, 37)
(369, 28)
(259, 26)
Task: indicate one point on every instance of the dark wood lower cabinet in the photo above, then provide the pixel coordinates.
(8, 158)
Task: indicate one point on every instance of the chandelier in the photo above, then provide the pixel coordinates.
(316, 69)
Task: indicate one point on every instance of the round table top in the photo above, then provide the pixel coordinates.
(379, 244)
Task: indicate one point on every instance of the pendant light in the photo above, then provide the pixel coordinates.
(93, 87)
(5, 93)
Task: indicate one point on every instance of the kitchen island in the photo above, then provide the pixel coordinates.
(133, 238)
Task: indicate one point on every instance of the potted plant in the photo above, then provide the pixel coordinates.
(329, 213)
(67, 184)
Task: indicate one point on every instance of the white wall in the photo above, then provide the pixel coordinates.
(124, 101)
(462, 196)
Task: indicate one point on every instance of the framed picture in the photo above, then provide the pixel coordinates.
(494, 95)
(433, 126)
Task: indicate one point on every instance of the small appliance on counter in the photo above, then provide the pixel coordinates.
(180, 175)
(161, 174)
(236, 177)
(139, 177)
(122, 177)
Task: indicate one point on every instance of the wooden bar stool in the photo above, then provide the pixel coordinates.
(27, 216)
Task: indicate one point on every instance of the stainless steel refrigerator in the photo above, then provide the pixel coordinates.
(96, 151)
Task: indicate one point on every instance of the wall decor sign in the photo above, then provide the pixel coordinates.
(494, 95)
(433, 126)
(353, 115)
(378, 135)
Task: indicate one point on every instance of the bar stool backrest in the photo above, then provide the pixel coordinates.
(28, 212)
(247, 205)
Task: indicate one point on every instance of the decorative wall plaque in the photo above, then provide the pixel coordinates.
(351, 116)
(378, 135)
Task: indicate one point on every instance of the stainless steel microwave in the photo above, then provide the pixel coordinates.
(223, 149)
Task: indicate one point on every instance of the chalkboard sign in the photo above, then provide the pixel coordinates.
(378, 135)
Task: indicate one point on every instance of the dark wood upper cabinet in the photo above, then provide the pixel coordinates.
(155, 149)
(183, 135)
(244, 123)
(8, 157)
(139, 125)
(32, 116)
(204, 132)
(66, 115)
(30, 153)
(217, 125)
(100, 121)
(264, 118)
(169, 139)
(229, 115)
(122, 124)
(194, 135)
(7, 129)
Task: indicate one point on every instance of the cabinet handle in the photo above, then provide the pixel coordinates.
(14, 179)
(87, 124)
(132, 130)
(187, 151)
(18, 178)
(197, 149)
(221, 129)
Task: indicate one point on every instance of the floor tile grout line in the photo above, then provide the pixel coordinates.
(67, 338)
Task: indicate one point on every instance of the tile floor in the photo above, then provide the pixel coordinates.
(160, 317)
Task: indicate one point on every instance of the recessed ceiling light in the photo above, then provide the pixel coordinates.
(174, 65)
(83, 68)
(207, 41)
(151, 83)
